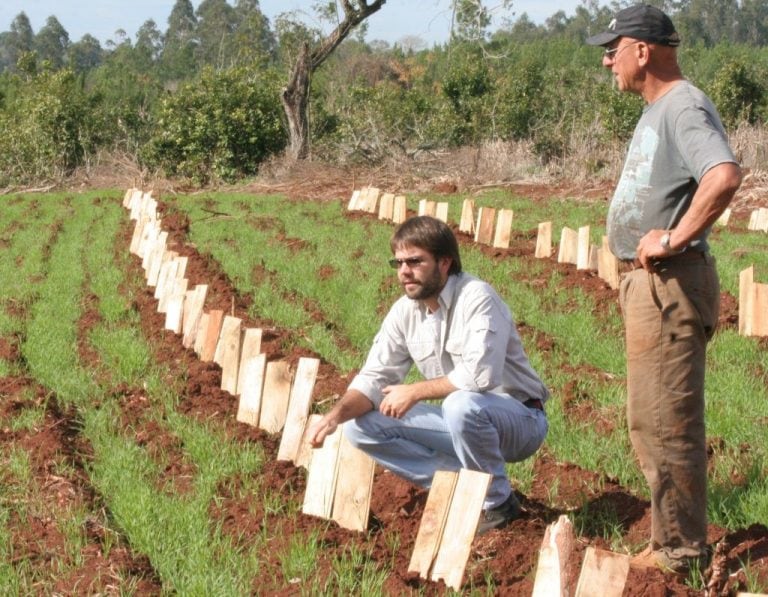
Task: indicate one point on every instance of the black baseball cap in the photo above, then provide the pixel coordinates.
(642, 21)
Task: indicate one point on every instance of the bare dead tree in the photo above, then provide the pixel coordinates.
(295, 95)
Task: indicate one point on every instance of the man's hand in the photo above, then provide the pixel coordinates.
(650, 248)
(398, 400)
(319, 431)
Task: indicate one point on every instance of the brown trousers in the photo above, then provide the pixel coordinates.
(669, 316)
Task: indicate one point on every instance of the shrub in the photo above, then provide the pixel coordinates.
(220, 127)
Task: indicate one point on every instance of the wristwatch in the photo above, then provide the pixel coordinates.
(664, 242)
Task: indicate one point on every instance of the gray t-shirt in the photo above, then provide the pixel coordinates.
(677, 140)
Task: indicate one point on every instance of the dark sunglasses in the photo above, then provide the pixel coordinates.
(409, 261)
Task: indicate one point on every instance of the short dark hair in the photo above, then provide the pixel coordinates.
(430, 234)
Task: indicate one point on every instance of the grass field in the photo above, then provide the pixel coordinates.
(135, 473)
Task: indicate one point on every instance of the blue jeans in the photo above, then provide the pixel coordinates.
(480, 432)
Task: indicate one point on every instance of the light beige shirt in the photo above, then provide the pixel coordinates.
(472, 340)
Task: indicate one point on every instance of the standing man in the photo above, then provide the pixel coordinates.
(679, 176)
(485, 400)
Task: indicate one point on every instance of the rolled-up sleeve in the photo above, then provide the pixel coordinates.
(479, 352)
(388, 361)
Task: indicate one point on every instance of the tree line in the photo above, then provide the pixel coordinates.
(201, 99)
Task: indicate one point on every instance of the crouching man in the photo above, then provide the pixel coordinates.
(480, 403)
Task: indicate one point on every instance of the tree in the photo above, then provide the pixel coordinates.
(85, 54)
(295, 95)
(16, 42)
(52, 43)
(148, 47)
(253, 40)
(215, 26)
(178, 58)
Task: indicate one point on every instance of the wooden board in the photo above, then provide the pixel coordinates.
(251, 346)
(370, 200)
(432, 522)
(321, 477)
(552, 571)
(441, 211)
(274, 399)
(608, 265)
(503, 229)
(211, 337)
(353, 201)
(149, 236)
(386, 206)
(603, 574)
(193, 311)
(298, 408)
(460, 527)
(249, 407)
(156, 258)
(569, 246)
(544, 241)
(200, 337)
(760, 310)
(354, 483)
(427, 207)
(175, 305)
(724, 217)
(165, 277)
(400, 212)
(305, 450)
(746, 300)
(582, 248)
(138, 230)
(467, 222)
(484, 230)
(228, 353)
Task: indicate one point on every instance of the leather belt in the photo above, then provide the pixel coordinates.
(629, 265)
(534, 403)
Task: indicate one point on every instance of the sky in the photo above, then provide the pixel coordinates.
(428, 19)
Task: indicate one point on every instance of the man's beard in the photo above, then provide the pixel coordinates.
(426, 289)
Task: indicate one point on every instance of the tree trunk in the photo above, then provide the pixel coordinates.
(295, 98)
(295, 95)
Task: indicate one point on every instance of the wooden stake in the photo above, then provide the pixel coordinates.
(305, 450)
(211, 338)
(228, 353)
(760, 310)
(298, 408)
(552, 572)
(427, 208)
(460, 527)
(400, 212)
(569, 246)
(503, 229)
(432, 524)
(249, 407)
(354, 483)
(274, 399)
(746, 300)
(441, 211)
(193, 311)
(603, 574)
(353, 201)
(582, 248)
(387, 206)
(321, 477)
(251, 346)
(175, 305)
(544, 241)
(608, 265)
(484, 229)
(467, 223)
(202, 331)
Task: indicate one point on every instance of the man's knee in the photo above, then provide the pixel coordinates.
(458, 408)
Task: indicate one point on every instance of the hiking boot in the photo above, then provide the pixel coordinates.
(661, 561)
(499, 516)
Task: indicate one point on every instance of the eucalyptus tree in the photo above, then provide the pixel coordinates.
(180, 41)
(85, 54)
(16, 42)
(216, 22)
(52, 42)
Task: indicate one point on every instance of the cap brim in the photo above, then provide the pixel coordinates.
(602, 39)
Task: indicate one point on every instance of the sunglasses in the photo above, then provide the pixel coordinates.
(613, 52)
(411, 262)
